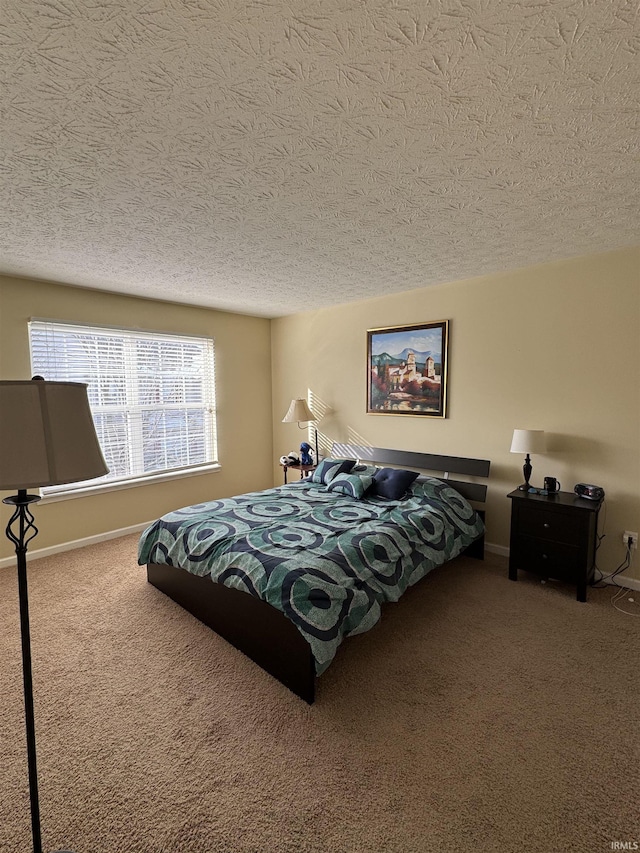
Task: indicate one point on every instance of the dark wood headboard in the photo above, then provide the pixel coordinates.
(440, 466)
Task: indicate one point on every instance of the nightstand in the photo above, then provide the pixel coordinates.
(555, 537)
(305, 470)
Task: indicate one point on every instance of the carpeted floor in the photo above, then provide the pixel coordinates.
(479, 715)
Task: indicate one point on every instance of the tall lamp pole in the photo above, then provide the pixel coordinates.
(47, 437)
(26, 531)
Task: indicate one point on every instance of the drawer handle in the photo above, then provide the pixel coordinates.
(546, 525)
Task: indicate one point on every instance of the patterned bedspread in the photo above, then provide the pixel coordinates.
(325, 560)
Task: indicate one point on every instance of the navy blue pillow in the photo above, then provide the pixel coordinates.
(330, 468)
(392, 483)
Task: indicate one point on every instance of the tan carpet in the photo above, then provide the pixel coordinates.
(479, 715)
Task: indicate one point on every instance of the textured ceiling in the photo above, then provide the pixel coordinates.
(267, 157)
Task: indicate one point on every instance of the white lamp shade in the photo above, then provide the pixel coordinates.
(47, 436)
(528, 441)
(298, 411)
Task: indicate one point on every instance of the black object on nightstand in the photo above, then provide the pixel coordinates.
(555, 537)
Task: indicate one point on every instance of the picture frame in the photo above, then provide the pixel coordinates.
(407, 370)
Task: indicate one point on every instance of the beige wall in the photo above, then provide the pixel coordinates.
(243, 393)
(552, 347)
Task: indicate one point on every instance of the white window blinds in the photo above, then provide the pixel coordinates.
(152, 395)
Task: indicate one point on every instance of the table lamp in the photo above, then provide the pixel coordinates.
(299, 412)
(527, 441)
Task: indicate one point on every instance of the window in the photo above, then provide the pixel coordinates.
(152, 395)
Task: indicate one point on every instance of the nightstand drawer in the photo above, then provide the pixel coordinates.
(549, 559)
(550, 524)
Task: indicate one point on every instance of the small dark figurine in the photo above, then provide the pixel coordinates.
(305, 454)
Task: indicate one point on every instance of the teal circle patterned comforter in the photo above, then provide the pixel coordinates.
(326, 560)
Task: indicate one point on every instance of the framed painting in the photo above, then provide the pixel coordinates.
(407, 370)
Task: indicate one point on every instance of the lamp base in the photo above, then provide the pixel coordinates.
(524, 487)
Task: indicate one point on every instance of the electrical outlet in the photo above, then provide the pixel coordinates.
(629, 534)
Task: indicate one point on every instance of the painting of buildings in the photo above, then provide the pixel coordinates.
(407, 370)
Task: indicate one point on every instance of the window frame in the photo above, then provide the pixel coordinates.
(133, 408)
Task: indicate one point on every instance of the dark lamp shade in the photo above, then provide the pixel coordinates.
(47, 436)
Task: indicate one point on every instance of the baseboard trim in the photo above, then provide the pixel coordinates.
(623, 580)
(620, 580)
(77, 543)
(138, 528)
(501, 550)
(496, 549)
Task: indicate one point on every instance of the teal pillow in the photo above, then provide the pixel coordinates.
(329, 468)
(353, 485)
(364, 470)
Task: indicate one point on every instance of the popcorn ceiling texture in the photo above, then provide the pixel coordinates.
(268, 157)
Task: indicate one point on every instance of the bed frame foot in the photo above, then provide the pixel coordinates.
(252, 626)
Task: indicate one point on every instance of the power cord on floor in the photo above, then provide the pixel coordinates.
(622, 597)
(622, 592)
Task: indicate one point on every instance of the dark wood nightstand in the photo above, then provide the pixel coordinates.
(555, 537)
(305, 470)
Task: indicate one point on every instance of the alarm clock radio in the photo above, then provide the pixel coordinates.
(586, 490)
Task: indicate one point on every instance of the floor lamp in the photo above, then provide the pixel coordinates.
(299, 412)
(47, 438)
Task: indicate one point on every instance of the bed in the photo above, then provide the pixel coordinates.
(286, 574)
